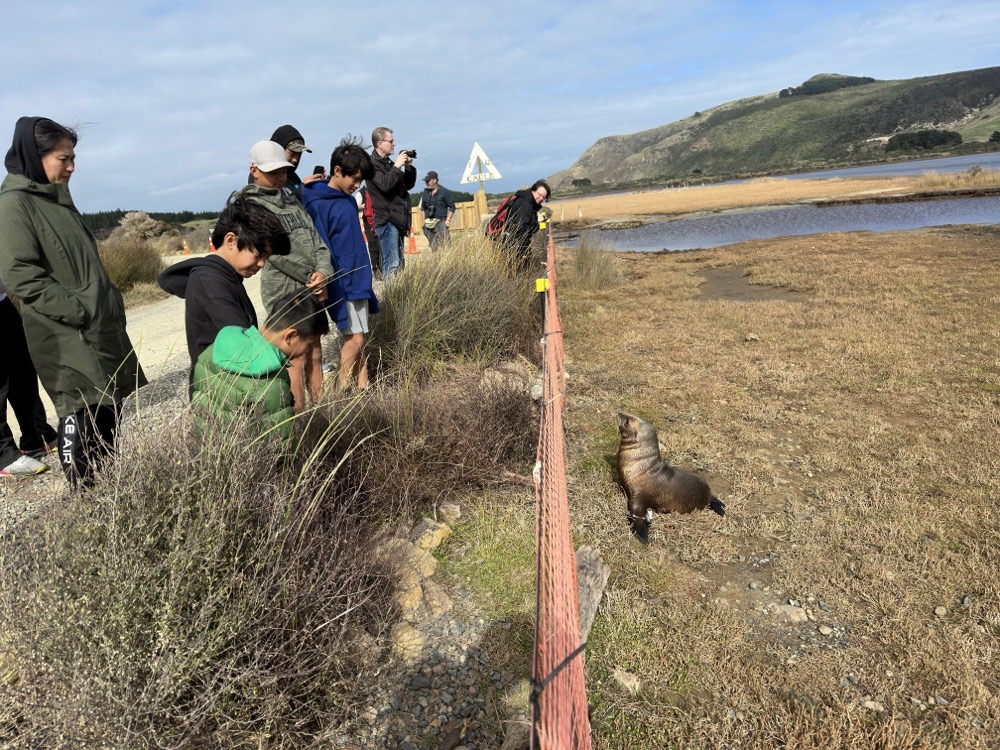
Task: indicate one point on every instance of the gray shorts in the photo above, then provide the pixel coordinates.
(357, 316)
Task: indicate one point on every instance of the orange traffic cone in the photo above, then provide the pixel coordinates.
(211, 247)
(187, 250)
(413, 244)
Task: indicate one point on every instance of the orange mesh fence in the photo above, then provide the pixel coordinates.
(559, 696)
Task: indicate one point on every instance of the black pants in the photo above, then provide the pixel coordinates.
(84, 438)
(19, 387)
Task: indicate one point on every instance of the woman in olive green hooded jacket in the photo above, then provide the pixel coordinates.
(74, 316)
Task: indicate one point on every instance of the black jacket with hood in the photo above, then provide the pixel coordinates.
(522, 223)
(214, 297)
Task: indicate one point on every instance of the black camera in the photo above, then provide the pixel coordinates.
(411, 154)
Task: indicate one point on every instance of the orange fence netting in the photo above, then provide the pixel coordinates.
(559, 696)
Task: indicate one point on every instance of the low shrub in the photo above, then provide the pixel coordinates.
(191, 599)
(129, 261)
(418, 441)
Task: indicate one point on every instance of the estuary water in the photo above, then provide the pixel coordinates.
(762, 223)
(945, 164)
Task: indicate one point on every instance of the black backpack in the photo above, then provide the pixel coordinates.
(496, 223)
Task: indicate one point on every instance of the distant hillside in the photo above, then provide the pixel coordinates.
(828, 121)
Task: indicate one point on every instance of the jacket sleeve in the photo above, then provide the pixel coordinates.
(23, 267)
(449, 202)
(409, 176)
(323, 263)
(387, 177)
(291, 267)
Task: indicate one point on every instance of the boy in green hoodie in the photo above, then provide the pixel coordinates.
(243, 375)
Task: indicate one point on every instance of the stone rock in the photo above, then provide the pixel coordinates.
(428, 534)
(438, 602)
(450, 513)
(872, 706)
(516, 375)
(825, 630)
(516, 734)
(790, 614)
(409, 592)
(407, 642)
(751, 337)
(591, 577)
(404, 555)
(627, 680)
(940, 611)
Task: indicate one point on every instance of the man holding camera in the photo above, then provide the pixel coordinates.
(388, 192)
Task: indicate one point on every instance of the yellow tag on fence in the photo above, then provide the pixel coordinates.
(541, 285)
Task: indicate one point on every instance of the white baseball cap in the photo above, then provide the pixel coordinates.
(268, 156)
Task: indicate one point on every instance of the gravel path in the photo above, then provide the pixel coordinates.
(451, 698)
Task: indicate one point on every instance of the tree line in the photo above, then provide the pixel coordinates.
(103, 221)
(824, 85)
(923, 139)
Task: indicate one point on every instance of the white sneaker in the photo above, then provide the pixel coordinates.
(23, 467)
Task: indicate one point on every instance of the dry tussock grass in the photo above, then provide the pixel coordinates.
(974, 177)
(759, 192)
(853, 437)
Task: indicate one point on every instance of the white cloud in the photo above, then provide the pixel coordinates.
(177, 92)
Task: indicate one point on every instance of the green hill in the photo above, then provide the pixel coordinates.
(828, 121)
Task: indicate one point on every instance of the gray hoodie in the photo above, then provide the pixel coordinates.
(290, 273)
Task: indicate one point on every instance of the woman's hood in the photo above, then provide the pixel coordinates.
(23, 158)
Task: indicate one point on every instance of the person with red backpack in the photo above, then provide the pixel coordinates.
(516, 221)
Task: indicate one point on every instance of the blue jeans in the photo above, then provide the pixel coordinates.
(392, 246)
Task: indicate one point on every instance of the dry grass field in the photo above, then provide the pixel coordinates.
(758, 192)
(840, 393)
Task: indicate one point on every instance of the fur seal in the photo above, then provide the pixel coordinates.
(651, 484)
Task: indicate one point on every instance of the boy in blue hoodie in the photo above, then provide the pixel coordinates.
(243, 375)
(350, 296)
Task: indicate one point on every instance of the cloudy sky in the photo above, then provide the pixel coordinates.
(169, 96)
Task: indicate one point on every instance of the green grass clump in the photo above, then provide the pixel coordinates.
(594, 266)
(130, 261)
(459, 304)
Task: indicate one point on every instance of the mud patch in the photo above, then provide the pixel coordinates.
(730, 283)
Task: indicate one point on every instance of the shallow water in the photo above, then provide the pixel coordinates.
(726, 228)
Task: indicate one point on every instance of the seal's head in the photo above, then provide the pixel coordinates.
(628, 426)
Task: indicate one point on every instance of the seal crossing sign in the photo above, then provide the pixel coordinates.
(480, 168)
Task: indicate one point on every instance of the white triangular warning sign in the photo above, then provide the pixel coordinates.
(479, 168)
